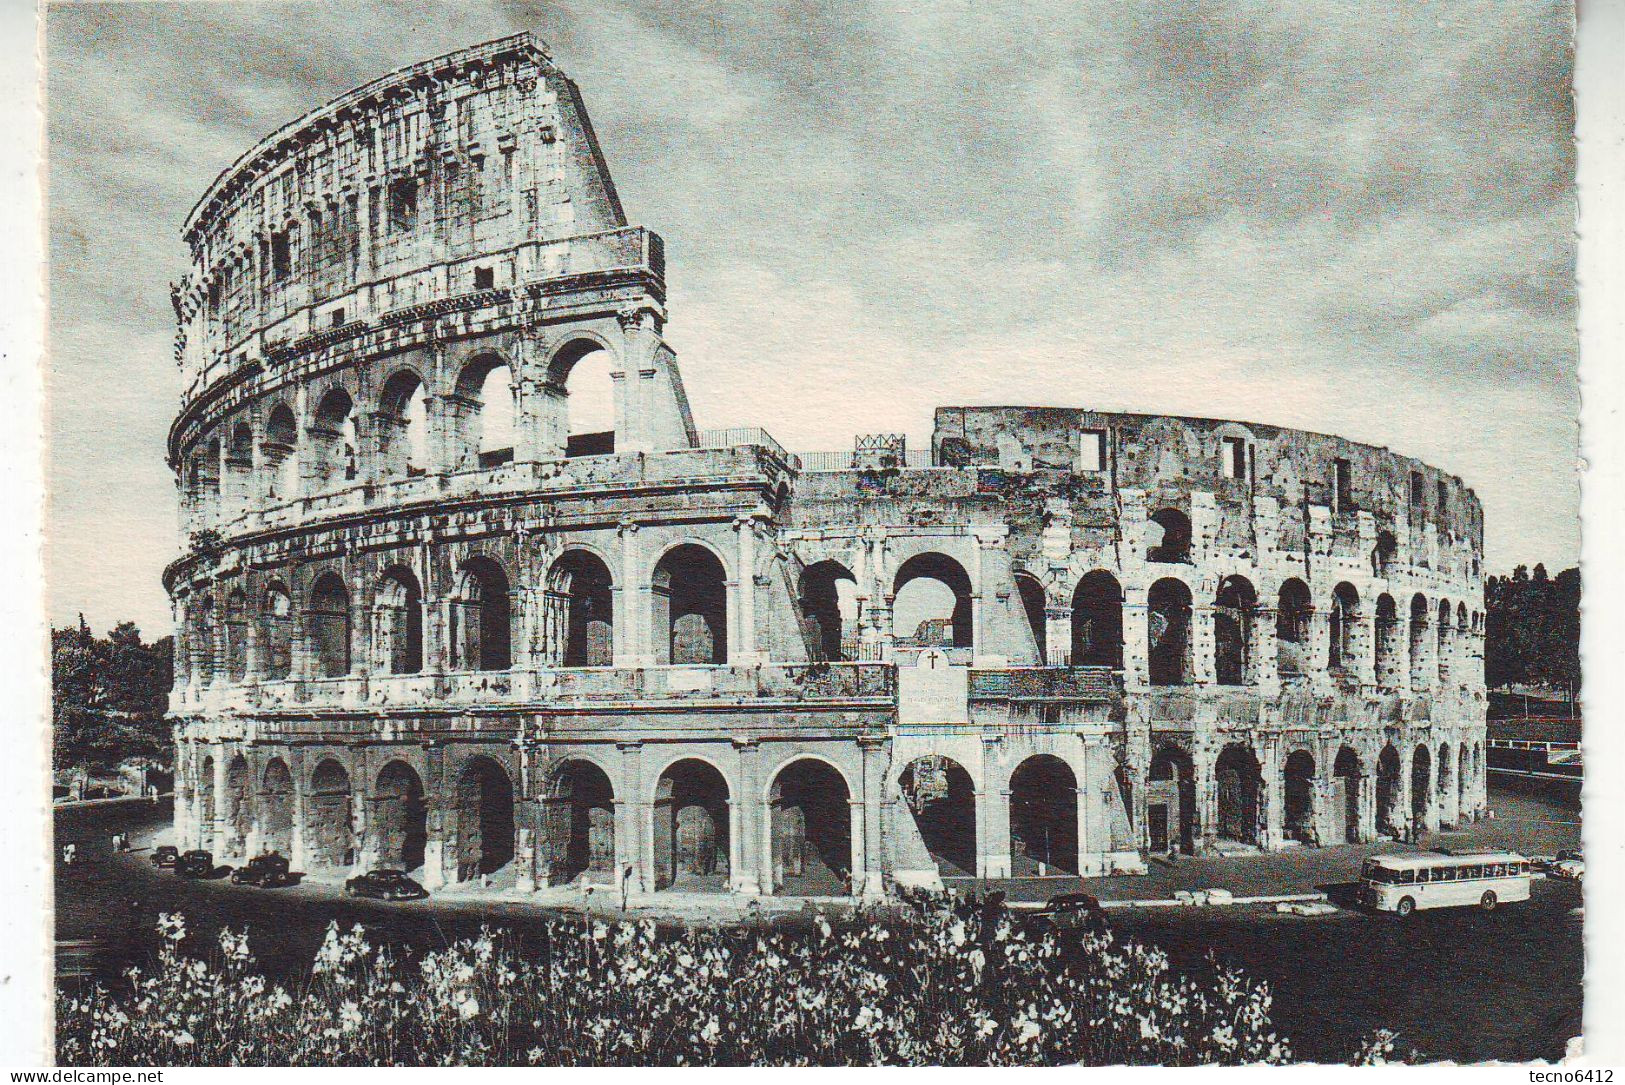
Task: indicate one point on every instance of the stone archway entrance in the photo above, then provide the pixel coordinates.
(812, 830)
(1390, 818)
(691, 830)
(1299, 798)
(400, 814)
(940, 795)
(1239, 777)
(329, 840)
(1043, 817)
(485, 827)
(1347, 776)
(581, 824)
(1421, 789)
(276, 809)
(1170, 802)
(239, 807)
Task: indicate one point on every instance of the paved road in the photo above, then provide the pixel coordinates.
(1461, 985)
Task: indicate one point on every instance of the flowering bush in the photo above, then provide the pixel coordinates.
(949, 985)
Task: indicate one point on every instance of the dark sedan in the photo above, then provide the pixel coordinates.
(265, 871)
(1070, 911)
(165, 857)
(195, 864)
(385, 885)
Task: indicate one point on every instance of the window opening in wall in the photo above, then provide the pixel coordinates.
(1444, 497)
(1343, 477)
(337, 317)
(403, 205)
(214, 296)
(281, 262)
(1168, 536)
(1092, 450)
(484, 278)
(1235, 457)
(1418, 489)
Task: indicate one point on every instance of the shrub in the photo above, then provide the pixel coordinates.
(947, 986)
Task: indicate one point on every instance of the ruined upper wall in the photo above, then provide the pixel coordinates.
(438, 179)
(1168, 457)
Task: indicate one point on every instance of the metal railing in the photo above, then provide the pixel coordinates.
(913, 459)
(745, 437)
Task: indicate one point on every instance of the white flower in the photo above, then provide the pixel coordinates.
(468, 1007)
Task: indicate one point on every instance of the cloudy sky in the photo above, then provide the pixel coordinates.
(1347, 217)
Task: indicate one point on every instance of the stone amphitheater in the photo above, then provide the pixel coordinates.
(434, 613)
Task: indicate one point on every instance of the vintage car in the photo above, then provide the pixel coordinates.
(266, 871)
(195, 864)
(385, 885)
(164, 856)
(1069, 911)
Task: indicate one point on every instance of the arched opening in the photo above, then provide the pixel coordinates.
(1461, 644)
(829, 609)
(1445, 642)
(1464, 779)
(403, 427)
(580, 612)
(1447, 787)
(333, 441)
(1239, 783)
(1389, 675)
(239, 805)
(1299, 797)
(690, 607)
(397, 639)
(277, 454)
(1346, 777)
(206, 802)
(327, 624)
(206, 631)
(1343, 652)
(1293, 610)
(1421, 788)
(581, 824)
(482, 618)
(1170, 802)
(691, 827)
(1033, 605)
(580, 381)
(931, 603)
(1043, 817)
(481, 414)
(1168, 536)
(329, 839)
(942, 799)
(276, 633)
(812, 830)
(1419, 642)
(1097, 621)
(203, 479)
(400, 816)
(1168, 618)
(1390, 817)
(240, 464)
(236, 635)
(1233, 609)
(276, 813)
(485, 828)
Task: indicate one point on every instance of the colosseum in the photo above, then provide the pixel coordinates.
(434, 614)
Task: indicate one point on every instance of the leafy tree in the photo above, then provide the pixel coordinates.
(109, 696)
(1532, 629)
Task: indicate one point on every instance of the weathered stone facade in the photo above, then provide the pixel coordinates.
(421, 623)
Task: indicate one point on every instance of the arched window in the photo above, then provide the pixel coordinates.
(1292, 614)
(1233, 609)
(236, 635)
(1097, 621)
(327, 624)
(206, 633)
(931, 603)
(829, 609)
(1388, 642)
(403, 427)
(1343, 653)
(690, 607)
(397, 641)
(1446, 640)
(1168, 536)
(276, 633)
(333, 441)
(482, 618)
(1383, 554)
(580, 611)
(582, 394)
(1033, 605)
(1168, 615)
(1419, 641)
(483, 417)
(277, 454)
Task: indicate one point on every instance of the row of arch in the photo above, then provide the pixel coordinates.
(406, 431)
(688, 617)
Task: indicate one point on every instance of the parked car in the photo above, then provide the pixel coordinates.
(266, 871)
(385, 885)
(195, 864)
(1570, 863)
(1070, 911)
(164, 856)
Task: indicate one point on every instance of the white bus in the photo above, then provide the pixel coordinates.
(1404, 883)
